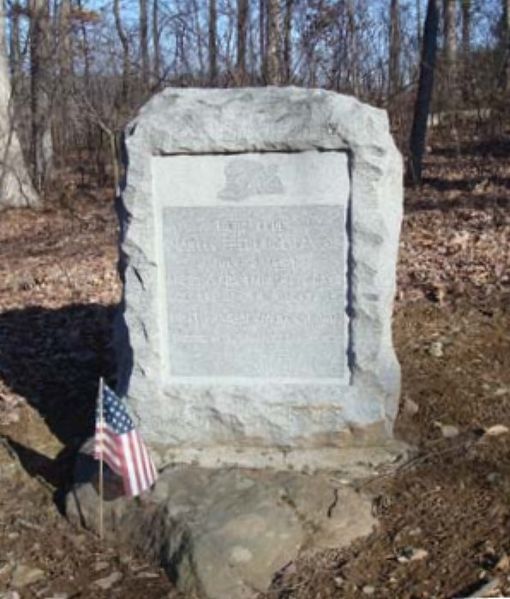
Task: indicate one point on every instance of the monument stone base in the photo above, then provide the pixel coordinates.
(226, 532)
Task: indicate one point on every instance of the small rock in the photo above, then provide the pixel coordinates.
(496, 430)
(107, 582)
(23, 576)
(418, 554)
(5, 568)
(448, 430)
(78, 541)
(98, 566)
(147, 575)
(411, 408)
(10, 595)
(503, 563)
(409, 554)
(494, 477)
(502, 391)
(436, 349)
(368, 589)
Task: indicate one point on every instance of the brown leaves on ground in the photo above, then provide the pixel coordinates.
(455, 244)
(444, 518)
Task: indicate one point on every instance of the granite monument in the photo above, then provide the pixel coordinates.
(259, 236)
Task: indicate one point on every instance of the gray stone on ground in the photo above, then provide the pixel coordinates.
(24, 575)
(225, 533)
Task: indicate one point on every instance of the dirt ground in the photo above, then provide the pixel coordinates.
(444, 527)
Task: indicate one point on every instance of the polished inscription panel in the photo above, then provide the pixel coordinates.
(255, 291)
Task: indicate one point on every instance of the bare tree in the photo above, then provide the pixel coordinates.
(352, 44)
(262, 37)
(394, 62)
(39, 93)
(287, 41)
(450, 50)
(15, 59)
(505, 45)
(85, 45)
(62, 134)
(418, 23)
(242, 23)
(15, 186)
(466, 47)
(125, 51)
(213, 52)
(65, 50)
(425, 88)
(144, 43)
(156, 68)
(273, 43)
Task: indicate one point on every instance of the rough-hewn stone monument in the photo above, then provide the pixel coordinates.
(259, 236)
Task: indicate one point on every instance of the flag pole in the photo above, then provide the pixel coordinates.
(101, 448)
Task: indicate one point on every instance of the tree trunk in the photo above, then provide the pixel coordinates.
(125, 51)
(394, 62)
(15, 48)
(273, 43)
(16, 189)
(65, 60)
(86, 49)
(242, 22)
(262, 38)
(450, 51)
(466, 48)
(65, 50)
(199, 38)
(155, 42)
(144, 43)
(418, 24)
(39, 99)
(213, 60)
(352, 44)
(505, 43)
(424, 96)
(287, 41)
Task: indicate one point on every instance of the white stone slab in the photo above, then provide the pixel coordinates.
(254, 260)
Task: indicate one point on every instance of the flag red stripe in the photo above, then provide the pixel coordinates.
(137, 474)
(129, 486)
(145, 462)
(106, 444)
(105, 437)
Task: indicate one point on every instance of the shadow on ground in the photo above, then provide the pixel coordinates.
(54, 358)
(496, 148)
(498, 205)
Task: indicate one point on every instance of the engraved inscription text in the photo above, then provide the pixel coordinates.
(255, 291)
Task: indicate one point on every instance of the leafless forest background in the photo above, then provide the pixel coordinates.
(80, 69)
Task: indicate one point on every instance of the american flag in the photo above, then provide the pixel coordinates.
(120, 445)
